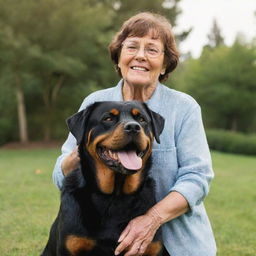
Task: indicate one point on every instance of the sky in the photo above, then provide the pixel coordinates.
(233, 17)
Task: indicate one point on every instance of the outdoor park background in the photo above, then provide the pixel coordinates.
(54, 52)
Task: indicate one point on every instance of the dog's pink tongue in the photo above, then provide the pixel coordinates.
(130, 160)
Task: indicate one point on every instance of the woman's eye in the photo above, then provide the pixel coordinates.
(131, 48)
(153, 50)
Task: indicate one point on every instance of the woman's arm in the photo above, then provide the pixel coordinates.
(194, 160)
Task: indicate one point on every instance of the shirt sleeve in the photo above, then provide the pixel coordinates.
(66, 149)
(194, 159)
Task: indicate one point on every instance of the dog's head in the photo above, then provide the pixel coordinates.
(118, 135)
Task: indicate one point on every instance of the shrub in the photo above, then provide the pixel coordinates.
(232, 142)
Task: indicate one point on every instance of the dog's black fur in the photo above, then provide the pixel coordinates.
(100, 197)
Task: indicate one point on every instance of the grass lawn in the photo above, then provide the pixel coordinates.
(29, 202)
(231, 204)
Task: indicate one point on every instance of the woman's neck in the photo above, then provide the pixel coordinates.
(140, 93)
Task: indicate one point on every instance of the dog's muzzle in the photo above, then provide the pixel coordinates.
(127, 157)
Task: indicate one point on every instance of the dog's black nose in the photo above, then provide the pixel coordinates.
(132, 127)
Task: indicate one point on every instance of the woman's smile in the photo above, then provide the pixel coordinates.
(140, 68)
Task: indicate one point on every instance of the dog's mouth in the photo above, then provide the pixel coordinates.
(124, 160)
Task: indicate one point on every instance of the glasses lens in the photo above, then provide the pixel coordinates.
(152, 52)
(132, 49)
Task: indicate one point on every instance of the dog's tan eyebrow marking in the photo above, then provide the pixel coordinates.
(115, 112)
(135, 111)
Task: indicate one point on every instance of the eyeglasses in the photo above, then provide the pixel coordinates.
(150, 51)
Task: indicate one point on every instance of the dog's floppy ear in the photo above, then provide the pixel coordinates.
(77, 122)
(157, 123)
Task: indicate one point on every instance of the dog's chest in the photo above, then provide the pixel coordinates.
(104, 212)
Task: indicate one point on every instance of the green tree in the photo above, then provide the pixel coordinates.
(223, 81)
(124, 9)
(15, 53)
(215, 37)
(58, 48)
(55, 52)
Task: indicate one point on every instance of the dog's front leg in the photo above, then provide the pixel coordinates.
(154, 249)
(77, 244)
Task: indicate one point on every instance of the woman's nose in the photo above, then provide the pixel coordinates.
(141, 53)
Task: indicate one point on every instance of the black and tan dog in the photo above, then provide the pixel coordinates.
(112, 185)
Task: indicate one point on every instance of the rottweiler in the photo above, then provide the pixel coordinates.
(112, 185)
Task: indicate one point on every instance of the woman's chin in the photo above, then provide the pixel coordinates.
(138, 82)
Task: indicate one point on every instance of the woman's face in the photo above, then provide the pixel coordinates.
(141, 60)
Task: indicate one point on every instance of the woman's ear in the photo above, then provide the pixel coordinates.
(163, 69)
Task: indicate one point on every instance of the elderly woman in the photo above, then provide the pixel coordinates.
(144, 53)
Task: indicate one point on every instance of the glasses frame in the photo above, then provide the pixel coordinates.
(138, 49)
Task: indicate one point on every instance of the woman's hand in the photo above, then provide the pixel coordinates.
(71, 162)
(141, 230)
(139, 233)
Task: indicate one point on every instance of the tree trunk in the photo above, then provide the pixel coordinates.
(23, 131)
(48, 114)
(50, 96)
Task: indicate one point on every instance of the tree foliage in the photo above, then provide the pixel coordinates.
(53, 53)
(215, 37)
(223, 81)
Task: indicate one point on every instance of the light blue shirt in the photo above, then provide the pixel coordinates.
(181, 162)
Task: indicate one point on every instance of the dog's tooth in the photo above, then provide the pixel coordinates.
(115, 156)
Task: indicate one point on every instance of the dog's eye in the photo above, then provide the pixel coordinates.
(141, 119)
(108, 119)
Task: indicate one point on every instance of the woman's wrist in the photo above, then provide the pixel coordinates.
(155, 215)
(169, 208)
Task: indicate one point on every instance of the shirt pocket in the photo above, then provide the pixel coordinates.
(164, 170)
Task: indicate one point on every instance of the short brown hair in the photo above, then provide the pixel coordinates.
(140, 25)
